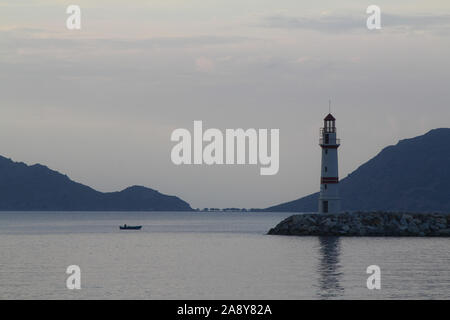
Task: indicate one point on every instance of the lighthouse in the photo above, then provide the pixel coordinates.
(329, 201)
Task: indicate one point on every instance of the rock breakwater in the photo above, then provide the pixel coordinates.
(381, 224)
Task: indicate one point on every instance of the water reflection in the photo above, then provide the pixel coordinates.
(329, 268)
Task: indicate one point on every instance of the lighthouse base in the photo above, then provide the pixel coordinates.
(329, 205)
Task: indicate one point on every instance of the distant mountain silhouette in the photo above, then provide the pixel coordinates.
(36, 187)
(413, 175)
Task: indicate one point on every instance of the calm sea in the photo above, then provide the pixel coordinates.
(207, 256)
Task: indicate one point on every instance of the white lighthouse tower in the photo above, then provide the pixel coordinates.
(329, 201)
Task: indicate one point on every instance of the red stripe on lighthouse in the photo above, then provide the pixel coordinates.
(329, 180)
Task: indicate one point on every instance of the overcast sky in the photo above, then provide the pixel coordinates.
(100, 104)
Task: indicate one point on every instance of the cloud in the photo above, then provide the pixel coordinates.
(323, 23)
(30, 37)
(329, 23)
(433, 23)
(204, 64)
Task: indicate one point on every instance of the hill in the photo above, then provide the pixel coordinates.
(38, 188)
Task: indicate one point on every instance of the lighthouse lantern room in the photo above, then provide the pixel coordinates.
(329, 200)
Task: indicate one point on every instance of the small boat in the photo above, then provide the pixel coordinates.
(125, 227)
